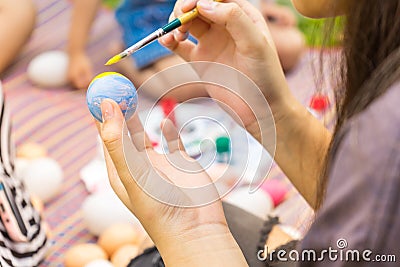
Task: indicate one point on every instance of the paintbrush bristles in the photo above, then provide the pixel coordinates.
(115, 59)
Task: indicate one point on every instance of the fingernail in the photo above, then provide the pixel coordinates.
(206, 5)
(180, 36)
(166, 39)
(185, 36)
(161, 40)
(107, 110)
(176, 34)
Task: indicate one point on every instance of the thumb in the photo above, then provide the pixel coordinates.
(111, 128)
(111, 132)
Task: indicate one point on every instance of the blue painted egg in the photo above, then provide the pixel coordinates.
(114, 86)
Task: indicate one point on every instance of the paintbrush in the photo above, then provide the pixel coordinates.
(182, 19)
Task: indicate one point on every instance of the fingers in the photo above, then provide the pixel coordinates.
(115, 181)
(182, 48)
(80, 71)
(244, 23)
(111, 131)
(238, 23)
(78, 79)
(138, 135)
(197, 27)
(171, 135)
(185, 27)
(188, 5)
(180, 35)
(82, 81)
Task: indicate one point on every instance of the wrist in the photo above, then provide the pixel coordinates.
(207, 245)
(283, 110)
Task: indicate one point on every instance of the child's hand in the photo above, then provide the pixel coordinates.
(80, 71)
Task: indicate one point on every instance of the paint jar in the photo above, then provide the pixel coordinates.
(223, 147)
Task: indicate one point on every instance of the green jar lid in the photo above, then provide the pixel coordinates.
(223, 144)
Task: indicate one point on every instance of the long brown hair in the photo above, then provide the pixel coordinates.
(370, 64)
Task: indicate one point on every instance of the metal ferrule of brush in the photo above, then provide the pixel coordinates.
(148, 39)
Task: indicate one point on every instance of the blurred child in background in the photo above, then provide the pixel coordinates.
(138, 18)
(282, 24)
(17, 20)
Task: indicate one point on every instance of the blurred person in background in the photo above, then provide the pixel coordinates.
(138, 18)
(17, 20)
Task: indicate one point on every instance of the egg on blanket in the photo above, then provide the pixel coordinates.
(43, 178)
(47, 229)
(118, 235)
(37, 203)
(20, 165)
(100, 263)
(31, 151)
(82, 254)
(104, 209)
(49, 69)
(124, 255)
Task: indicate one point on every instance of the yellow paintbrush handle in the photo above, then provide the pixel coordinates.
(188, 16)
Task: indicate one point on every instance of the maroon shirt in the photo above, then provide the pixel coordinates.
(362, 202)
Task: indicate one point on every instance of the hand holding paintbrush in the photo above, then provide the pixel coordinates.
(179, 21)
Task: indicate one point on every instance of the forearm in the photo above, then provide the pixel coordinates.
(301, 148)
(83, 15)
(301, 145)
(204, 248)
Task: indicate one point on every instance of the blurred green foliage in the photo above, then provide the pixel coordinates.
(318, 32)
(111, 3)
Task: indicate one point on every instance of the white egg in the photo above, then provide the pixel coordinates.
(43, 178)
(104, 209)
(99, 149)
(20, 166)
(49, 69)
(258, 203)
(99, 263)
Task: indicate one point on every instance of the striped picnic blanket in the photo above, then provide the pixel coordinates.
(59, 120)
